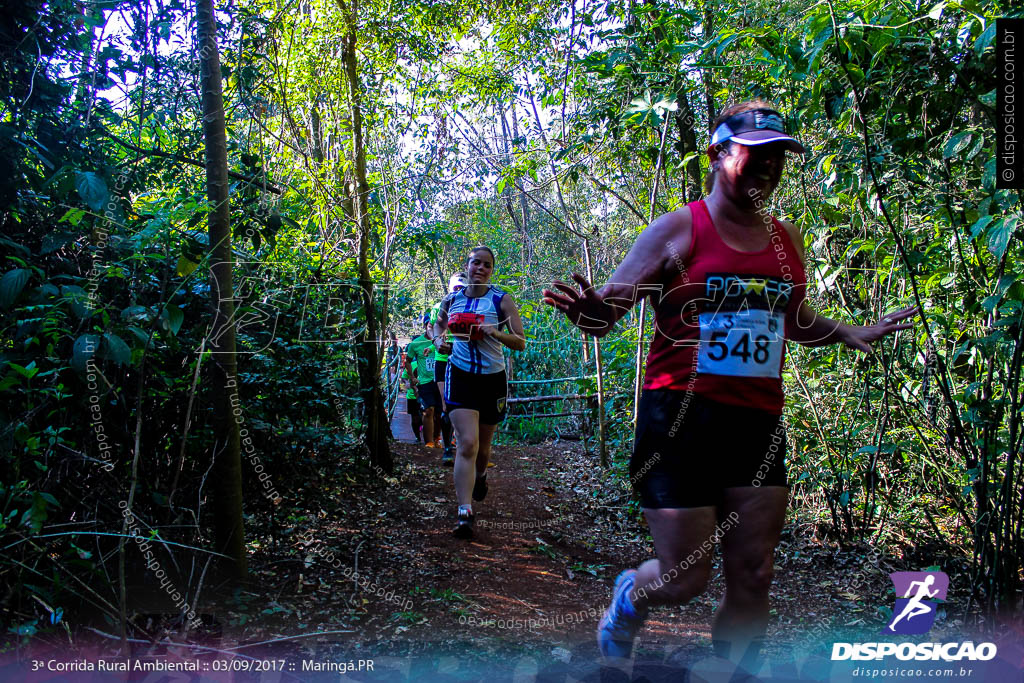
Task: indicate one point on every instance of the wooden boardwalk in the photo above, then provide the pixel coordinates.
(401, 425)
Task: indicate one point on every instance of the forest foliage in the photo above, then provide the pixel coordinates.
(370, 143)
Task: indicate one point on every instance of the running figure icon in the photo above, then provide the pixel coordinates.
(917, 595)
(915, 607)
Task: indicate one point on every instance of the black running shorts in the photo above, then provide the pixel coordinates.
(412, 406)
(483, 393)
(689, 449)
(430, 397)
(440, 368)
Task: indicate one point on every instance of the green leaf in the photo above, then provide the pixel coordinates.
(274, 223)
(936, 11)
(724, 45)
(980, 225)
(78, 298)
(36, 515)
(92, 189)
(84, 350)
(1000, 233)
(171, 318)
(186, 266)
(53, 241)
(139, 334)
(137, 313)
(28, 372)
(72, 216)
(11, 285)
(985, 39)
(956, 144)
(116, 350)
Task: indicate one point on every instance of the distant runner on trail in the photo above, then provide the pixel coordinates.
(456, 283)
(391, 352)
(421, 349)
(475, 385)
(412, 402)
(727, 285)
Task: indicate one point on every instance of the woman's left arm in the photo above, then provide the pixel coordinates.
(806, 326)
(810, 328)
(515, 338)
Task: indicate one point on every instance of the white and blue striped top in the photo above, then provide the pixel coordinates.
(484, 356)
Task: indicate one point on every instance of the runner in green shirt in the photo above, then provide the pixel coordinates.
(422, 350)
(412, 403)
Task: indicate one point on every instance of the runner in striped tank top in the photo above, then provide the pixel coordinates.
(482, 320)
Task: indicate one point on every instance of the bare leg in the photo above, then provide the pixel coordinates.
(748, 549)
(683, 566)
(428, 425)
(446, 419)
(440, 389)
(417, 422)
(467, 433)
(483, 455)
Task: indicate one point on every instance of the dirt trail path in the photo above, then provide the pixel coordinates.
(551, 536)
(544, 549)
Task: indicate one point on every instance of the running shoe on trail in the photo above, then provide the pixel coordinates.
(464, 529)
(620, 622)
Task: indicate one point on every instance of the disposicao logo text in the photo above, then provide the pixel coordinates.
(917, 597)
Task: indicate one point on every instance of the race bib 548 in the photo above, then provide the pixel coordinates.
(742, 344)
(741, 325)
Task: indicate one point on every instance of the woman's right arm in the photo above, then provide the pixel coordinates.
(408, 367)
(440, 327)
(649, 264)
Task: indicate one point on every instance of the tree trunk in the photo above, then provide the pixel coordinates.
(526, 252)
(598, 365)
(709, 74)
(229, 529)
(316, 135)
(85, 91)
(686, 125)
(686, 122)
(523, 204)
(369, 360)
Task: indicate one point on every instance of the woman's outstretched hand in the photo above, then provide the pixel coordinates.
(585, 308)
(861, 338)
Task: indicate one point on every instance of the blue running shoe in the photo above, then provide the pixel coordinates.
(620, 621)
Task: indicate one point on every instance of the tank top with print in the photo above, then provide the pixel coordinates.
(720, 326)
(481, 356)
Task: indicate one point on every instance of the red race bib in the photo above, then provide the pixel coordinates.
(466, 325)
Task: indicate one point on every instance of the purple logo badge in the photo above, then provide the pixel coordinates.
(917, 594)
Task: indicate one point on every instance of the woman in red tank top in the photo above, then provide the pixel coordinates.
(727, 282)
